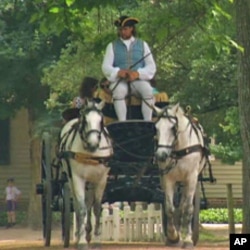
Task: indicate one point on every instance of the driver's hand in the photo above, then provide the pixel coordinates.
(133, 75)
(123, 73)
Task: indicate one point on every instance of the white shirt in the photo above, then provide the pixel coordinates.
(12, 193)
(145, 73)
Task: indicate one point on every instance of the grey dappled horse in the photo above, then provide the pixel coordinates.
(180, 156)
(89, 145)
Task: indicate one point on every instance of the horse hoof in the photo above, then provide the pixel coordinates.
(82, 247)
(88, 238)
(96, 246)
(173, 242)
(188, 245)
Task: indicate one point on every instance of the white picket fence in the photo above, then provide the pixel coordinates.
(127, 225)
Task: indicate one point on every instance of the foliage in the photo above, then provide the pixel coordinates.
(219, 215)
(21, 218)
(230, 151)
(24, 51)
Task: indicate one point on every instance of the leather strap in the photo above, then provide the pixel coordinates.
(186, 151)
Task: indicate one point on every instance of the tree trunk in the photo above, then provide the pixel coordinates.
(243, 35)
(35, 212)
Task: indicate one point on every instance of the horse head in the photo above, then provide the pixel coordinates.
(166, 131)
(91, 125)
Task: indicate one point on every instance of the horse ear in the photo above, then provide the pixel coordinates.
(176, 107)
(100, 105)
(157, 110)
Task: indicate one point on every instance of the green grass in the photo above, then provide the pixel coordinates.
(21, 218)
(210, 236)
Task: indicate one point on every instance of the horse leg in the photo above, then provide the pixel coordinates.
(80, 210)
(187, 214)
(89, 203)
(172, 233)
(98, 210)
(89, 225)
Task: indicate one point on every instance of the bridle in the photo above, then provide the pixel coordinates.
(165, 114)
(84, 134)
(80, 129)
(177, 154)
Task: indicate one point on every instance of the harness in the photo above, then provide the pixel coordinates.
(85, 158)
(189, 150)
(179, 154)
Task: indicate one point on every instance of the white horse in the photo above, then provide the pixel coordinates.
(180, 156)
(84, 147)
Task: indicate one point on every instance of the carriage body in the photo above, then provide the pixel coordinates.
(134, 175)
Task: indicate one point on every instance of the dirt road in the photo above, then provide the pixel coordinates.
(19, 238)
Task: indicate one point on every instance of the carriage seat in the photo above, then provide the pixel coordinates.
(133, 103)
(134, 109)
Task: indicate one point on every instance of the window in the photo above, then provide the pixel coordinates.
(4, 142)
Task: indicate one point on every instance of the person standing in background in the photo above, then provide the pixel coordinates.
(12, 195)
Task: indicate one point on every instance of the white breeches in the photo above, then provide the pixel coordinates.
(139, 88)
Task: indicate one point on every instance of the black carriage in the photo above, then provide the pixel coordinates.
(134, 176)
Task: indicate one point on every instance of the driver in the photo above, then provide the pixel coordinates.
(128, 61)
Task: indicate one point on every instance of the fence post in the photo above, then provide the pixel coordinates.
(151, 221)
(116, 221)
(105, 222)
(230, 208)
(126, 220)
(138, 215)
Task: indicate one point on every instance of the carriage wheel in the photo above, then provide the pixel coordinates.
(46, 175)
(65, 215)
(196, 220)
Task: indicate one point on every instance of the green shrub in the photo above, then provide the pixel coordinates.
(219, 215)
(21, 218)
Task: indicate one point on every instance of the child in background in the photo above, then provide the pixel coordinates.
(12, 194)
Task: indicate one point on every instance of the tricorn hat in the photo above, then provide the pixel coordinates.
(124, 21)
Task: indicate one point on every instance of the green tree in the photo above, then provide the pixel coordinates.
(24, 51)
(242, 8)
